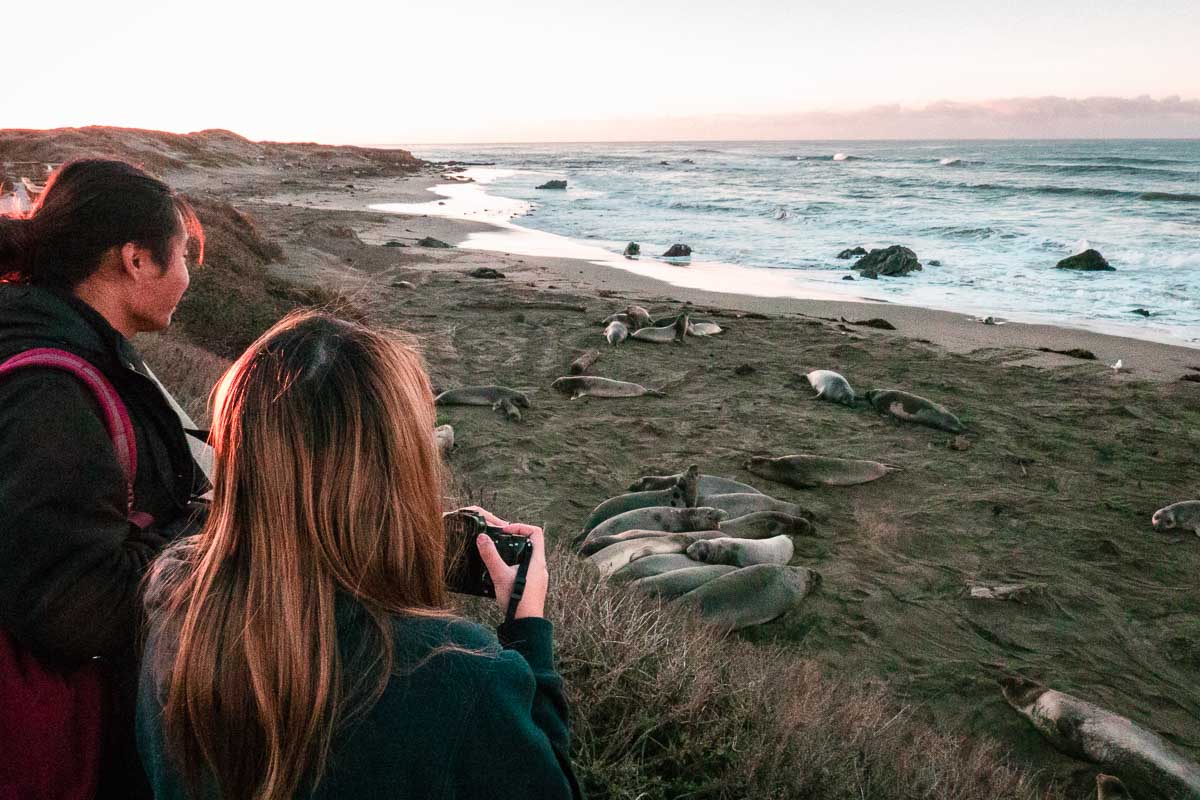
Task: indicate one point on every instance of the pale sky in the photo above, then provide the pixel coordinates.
(468, 70)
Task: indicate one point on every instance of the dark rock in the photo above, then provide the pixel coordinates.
(852, 252)
(664, 163)
(847, 277)
(875, 322)
(687, 161)
(744, 369)
(1087, 261)
(678, 251)
(933, 262)
(394, 243)
(486, 272)
(1144, 312)
(1191, 378)
(1074, 352)
(633, 250)
(553, 185)
(891, 261)
(429, 241)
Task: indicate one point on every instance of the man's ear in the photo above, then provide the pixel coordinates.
(136, 261)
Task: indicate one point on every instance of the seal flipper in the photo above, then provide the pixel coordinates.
(655, 393)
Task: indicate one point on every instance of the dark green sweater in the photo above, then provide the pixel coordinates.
(451, 725)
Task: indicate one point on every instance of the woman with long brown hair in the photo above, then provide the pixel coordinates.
(300, 645)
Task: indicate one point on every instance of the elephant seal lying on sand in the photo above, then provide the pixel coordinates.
(739, 504)
(742, 552)
(583, 385)
(647, 566)
(1086, 731)
(481, 396)
(669, 585)
(751, 596)
(595, 545)
(832, 387)
(682, 493)
(615, 556)
(709, 484)
(659, 518)
(911, 408)
(809, 472)
(1185, 515)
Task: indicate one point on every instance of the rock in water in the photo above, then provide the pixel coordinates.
(751, 595)
(852, 252)
(893, 261)
(1087, 261)
(429, 241)
(1086, 731)
(632, 250)
(553, 185)
(808, 472)
(678, 251)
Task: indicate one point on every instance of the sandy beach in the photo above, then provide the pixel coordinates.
(1054, 483)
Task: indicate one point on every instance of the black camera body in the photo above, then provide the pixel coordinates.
(465, 572)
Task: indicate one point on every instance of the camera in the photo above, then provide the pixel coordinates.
(465, 572)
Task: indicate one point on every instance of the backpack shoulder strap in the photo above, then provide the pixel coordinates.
(112, 409)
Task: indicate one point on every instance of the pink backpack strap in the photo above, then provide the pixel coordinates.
(112, 408)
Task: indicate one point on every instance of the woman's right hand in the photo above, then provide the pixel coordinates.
(537, 579)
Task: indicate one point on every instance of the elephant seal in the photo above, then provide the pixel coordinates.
(911, 408)
(675, 583)
(615, 556)
(616, 332)
(660, 518)
(443, 435)
(709, 484)
(595, 545)
(751, 595)
(704, 329)
(647, 566)
(832, 387)
(1086, 731)
(584, 362)
(743, 552)
(584, 385)
(664, 335)
(508, 408)
(739, 504)
(766, 524)
(480, 396)
(1109, 787)
(639, 315)
(808, 472)
(1178, 515)
(683, 494)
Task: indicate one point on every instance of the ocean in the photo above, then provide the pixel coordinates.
(996, 215)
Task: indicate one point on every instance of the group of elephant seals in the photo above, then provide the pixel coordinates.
(739, 504)
(742, 552)
(664, 335)
(832, 387)
(660, 518)
(633, 318)
(677, 582)
(683, 492)
(751, 595)
(709, 484)
(594, 386)
(1185, 515)
(594, 545)
(584, 362)
(808, 471)
(912, 408)
(694, 327)
(481, 396)
(1119, 745)
(617, 555)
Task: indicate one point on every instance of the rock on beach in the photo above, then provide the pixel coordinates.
(891, 261)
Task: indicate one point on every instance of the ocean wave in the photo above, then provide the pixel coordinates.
(834, 157)
(1112, 169)
(958, 162)
(1170, 197)
(1080, 191)
(968, 232)
(1127, 160)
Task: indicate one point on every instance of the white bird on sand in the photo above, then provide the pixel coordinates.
(1117, 366)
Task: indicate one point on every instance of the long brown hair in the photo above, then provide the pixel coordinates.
(327, 483)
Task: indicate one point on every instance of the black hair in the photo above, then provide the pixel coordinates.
(88, 207)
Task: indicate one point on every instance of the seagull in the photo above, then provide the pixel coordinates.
(1117, 366)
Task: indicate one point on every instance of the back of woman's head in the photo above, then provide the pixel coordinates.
(327, 482)
(87, 208)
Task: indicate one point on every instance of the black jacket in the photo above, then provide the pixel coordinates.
(70, 563)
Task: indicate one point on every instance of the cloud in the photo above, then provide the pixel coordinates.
(1009, 118)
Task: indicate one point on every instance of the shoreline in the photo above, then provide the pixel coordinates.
(1013, 343)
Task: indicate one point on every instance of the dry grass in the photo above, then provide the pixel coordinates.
(190, 372)
(665, 708)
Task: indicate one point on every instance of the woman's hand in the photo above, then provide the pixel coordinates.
(537, 580)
